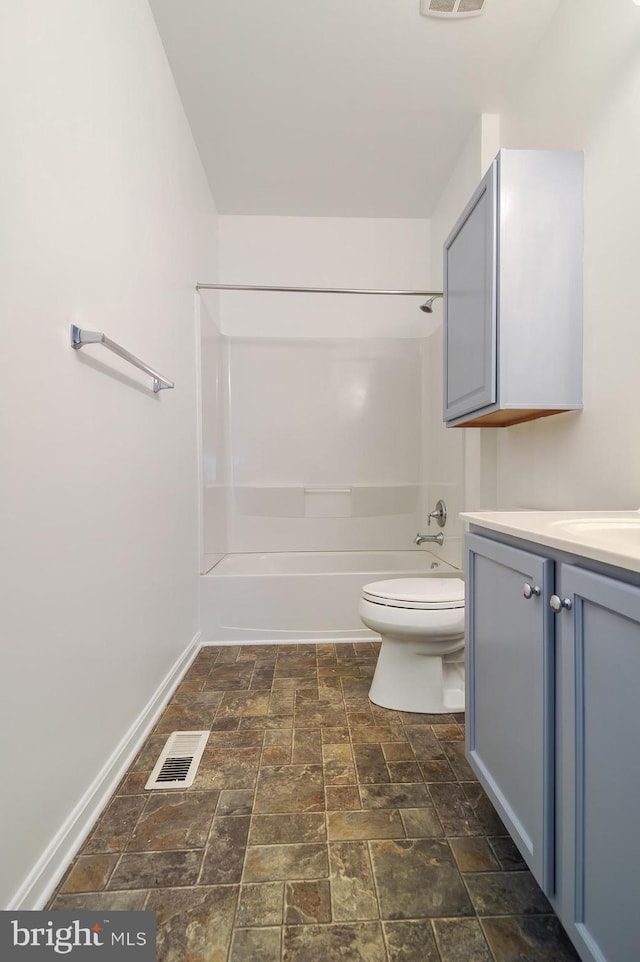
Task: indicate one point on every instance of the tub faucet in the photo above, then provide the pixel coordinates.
(421, 538)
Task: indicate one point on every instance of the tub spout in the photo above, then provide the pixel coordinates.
(421, 538)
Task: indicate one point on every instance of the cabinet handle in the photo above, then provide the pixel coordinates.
(529, 590)
(557, 604)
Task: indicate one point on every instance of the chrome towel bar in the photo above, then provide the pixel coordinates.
(79, 338)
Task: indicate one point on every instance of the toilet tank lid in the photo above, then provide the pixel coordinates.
(438, 591)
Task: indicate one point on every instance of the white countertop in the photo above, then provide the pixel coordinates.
(612, 537)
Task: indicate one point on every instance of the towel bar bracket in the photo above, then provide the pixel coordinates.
(80, 337)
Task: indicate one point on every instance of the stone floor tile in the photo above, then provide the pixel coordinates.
(132, 901)
(227, 768)
(307, 747)
(173, 821)
(488, 819)
(115, 825)
(90, 873)
(235, 801)
(412, 941)
(261, 903)
(397, 752)
(347, 826)
(461, 940)
(404, 772)
(156, 870)
(437, 770)
(323, 943)
(148, 755)
(473, 854)
(283, 829)
(426, 746)
(187, 717)
(133, 783)
(266, 722)
(256, 945)
(528, 939)
(507, 854)
(307, 902)
(506, 893)
(377, 734)
(421, 823)
(339, 768)
(235, 739)
(454, 752)
(342, 798)
(290, 788)
(318, 714)
(448, 733)
(418, 878)
(224, 855)
(244, 703)
(193, 924)
(336, 736)
(275, 755)
(272, 863)
(353, 894)
(399, 795)
(371, 767)
(454, 809)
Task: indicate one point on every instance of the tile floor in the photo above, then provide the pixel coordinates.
(319, 827)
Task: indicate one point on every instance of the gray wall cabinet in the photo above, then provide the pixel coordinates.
(513, 293)
(552, 732)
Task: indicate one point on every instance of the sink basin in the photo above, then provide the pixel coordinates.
(615, 532)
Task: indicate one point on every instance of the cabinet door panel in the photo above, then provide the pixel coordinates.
(470, 272)
(599, 771)
(510, 679)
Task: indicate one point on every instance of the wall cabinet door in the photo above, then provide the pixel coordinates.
(599, 764)
(470, 278)
(510, 685)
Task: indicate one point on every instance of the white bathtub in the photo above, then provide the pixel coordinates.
(302, 595)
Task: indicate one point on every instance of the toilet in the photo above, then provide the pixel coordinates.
(420, 666)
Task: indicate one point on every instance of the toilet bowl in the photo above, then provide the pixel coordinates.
(420, 666)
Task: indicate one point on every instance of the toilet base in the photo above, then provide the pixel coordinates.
(406, 679)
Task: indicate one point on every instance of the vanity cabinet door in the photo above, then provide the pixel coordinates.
(510, 683)
(599, 764)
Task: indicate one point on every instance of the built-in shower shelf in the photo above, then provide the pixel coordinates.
(326, 501)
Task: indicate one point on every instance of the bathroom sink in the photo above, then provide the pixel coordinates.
(615, 531)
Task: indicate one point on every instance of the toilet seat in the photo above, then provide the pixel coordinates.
(427, 594)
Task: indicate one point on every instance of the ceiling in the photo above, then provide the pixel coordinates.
(343, 108)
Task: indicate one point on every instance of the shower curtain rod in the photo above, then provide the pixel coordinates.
(310, 290)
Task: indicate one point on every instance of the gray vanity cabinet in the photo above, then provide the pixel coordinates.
(509, 706)
(513, 293)
(553, 688)
(598, 644)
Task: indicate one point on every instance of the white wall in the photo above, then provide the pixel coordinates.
(454, 459)
(107, 222)
(582, 91)
(356, 252)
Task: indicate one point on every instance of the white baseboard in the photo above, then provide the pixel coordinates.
(40, 884)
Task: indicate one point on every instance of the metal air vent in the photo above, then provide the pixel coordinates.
(452, 8)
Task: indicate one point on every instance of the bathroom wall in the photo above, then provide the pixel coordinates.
(216, 457)
(326, 399)
(107, 221)
(582, 90)
(455, 455)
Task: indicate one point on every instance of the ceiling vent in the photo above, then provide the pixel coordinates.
(452, 8)
(178, 761)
